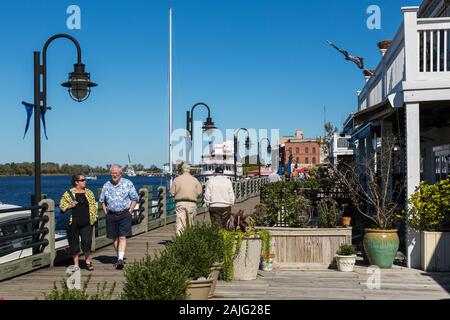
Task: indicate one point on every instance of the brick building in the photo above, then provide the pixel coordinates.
(306, 152)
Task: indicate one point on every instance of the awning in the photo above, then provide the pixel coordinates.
(361, 133)
(373, 113)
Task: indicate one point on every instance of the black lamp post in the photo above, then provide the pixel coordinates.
(247, 146)
(207, 125)
(79, 87)
(269, 150)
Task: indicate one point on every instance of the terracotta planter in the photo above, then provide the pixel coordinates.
(199, 289)
(345, 263)
(346, 221)
(215, 272)
(381, 247)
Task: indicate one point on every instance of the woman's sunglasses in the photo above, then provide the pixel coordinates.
(81, 180)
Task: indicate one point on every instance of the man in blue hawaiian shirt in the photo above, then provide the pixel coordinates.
(118, 198)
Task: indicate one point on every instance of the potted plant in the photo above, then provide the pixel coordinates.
(346, 257)
(191, 248)
(346, 221)
(243, 247)
(161, 277)
(376, 197)
(384, 44)
(211, 235)
(428, 211)
(330, 215)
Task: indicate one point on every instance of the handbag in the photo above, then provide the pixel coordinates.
(64, 217)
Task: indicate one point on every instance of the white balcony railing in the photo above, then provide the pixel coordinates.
(419, 52)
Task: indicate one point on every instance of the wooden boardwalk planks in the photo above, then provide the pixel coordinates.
(397, 283)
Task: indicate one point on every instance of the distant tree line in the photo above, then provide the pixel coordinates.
(51, 168)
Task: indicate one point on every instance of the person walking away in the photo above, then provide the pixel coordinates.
(185, 189)
(118, 199)
(219, 198)
(83, 216)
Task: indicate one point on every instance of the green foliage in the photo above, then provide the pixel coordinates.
(260, 216)
(329, 213)
(430, 206)
(193, 247)
(80, 294)
(346, 250)
(156, 278)
(285, 198)
(51, 168)
(233, 246)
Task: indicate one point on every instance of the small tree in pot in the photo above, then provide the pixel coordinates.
(376, 196)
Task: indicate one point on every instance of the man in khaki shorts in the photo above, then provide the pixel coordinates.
(185, 189)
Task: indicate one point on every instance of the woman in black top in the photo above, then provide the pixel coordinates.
(83, 207)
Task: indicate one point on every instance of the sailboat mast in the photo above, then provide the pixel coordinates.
(170, 98)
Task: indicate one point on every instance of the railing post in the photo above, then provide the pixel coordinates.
(411, 43)
(149, 203)
(145, 205)
(162, 202)
(50, 224)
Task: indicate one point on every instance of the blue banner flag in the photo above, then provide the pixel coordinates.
(30, 108)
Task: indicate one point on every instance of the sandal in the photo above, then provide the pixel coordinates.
(89, 266)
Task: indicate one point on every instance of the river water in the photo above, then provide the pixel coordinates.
(18, 190)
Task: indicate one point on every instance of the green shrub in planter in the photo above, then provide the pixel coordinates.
(430, 206)
(329, 213)
(346, 250)
(163, 277)
(194, 250)
(211, 235)
(80, 294)
(286, 198)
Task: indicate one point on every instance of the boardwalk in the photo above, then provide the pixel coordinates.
(398, 283)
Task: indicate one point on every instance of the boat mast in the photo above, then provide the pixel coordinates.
(170, 100)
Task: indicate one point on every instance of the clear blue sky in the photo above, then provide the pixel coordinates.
(257, 63)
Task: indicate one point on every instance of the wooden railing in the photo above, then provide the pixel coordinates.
(419, 52)
(155, 209)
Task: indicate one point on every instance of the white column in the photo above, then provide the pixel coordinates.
(411, 43)
(412, 177)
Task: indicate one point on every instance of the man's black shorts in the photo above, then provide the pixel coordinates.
(118, 225)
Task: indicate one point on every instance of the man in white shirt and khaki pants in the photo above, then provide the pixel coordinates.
(219, 198)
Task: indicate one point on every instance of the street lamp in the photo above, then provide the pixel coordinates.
(79, 87)
(207, 125)
(269, 150)
(247, 146)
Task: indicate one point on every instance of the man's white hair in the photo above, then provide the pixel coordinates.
(117, 167)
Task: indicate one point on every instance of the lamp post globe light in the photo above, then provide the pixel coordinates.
(269, 151)
(208, 125)
(79, 87)
(247, 146)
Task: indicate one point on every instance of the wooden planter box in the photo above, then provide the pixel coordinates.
(435, 251)
(308, 248)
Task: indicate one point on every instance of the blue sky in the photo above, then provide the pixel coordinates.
(257, 63)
